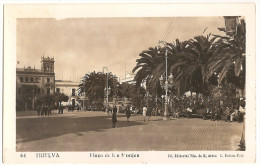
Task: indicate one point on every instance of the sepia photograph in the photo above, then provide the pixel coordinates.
(132, 84)
(182, 77)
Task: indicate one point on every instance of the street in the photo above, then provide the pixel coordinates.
(92, 131)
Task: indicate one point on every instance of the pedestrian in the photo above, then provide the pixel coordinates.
(61, 109)
(47, 111)
(149, 114)
(78, 107)
(114, 109)
(189, 111)
(159, 112)
(39, 111)
(217, 114)
(241, 112)
(114, 118)
(144, 112)
(227, 114)
(212, 114)
(42, 110)
(232, 115)
(156, 110)
(176, 113)
(128, 113)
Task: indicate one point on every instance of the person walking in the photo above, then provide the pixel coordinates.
(241, 112)
(61, 109)
(144, 112)
(128, 113)
(39, 111)
(114, 109)
(114, 118)
(78, 107)
(42, 110)
(47, 110)
(149, 114)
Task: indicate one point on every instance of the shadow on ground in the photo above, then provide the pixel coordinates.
(31, 129)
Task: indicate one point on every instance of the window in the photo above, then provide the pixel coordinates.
(48, 91)
(73, 92)
(48, 79)
(21, 79)
(31, 79)
(58, 90)
(26, 79)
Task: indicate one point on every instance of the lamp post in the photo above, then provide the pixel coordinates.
(168, 81)
(107, 89)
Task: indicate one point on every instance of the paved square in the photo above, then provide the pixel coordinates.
(92, 131)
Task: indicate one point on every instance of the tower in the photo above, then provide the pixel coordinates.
(47, 65)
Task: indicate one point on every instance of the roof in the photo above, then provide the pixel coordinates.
(28, 69)
(66, 83)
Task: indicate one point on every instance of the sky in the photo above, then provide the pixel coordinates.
(83, 45)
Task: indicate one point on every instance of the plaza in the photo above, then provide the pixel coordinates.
(92, 131)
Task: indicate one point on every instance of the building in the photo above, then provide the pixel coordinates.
(68, 88)
(129, 78)
(32, 83)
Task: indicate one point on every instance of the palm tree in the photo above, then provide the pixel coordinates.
(229, 59)
(190, 64)
(147, 66)
(93, 85)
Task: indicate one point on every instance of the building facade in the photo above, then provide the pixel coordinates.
(70, 89)
(129, 78)
(32, 83)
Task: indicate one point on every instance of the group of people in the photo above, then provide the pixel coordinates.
(60, 109)
(44, 110)
(114, 114)
(146, 114)
(228, 114)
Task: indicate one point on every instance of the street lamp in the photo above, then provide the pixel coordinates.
(167, 83)
(107, 89)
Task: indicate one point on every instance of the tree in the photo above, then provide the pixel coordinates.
(229, 59)
(147, 66)
(60, 97)
(190, 66)
(137, 95)
(48, 100)
(94, 83)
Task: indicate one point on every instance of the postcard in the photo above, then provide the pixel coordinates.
(129, 83)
